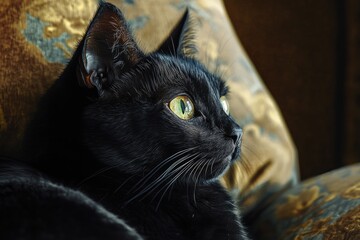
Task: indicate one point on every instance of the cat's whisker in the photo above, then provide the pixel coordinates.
(212, 164)
(106, 169)
(170, 183)
(190, 176)
(147, 178)
(97, 173)
(188, 161)
(203, 165)
(198, 175)
(170, 173)
(194, 187)
(149, 175)
(192, 170)
(171, 170)
(188, 172)
(206, 169)
(184, 174)
(165, 175)
(151, 188)
(123, 183)
(245, 164)
(251, 151)
(175, 165)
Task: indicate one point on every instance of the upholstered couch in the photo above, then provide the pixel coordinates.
(37, 38)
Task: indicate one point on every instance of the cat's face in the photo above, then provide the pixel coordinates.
(164, 107)
(157, 114)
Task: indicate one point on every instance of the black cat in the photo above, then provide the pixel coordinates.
(125, 145)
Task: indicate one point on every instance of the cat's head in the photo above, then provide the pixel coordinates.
(160, 113)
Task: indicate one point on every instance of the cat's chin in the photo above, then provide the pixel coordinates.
(236, 154)
(221, 167)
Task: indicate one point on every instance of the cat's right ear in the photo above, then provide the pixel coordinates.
(181, 39)
(108, 49)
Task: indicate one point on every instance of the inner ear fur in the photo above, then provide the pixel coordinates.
(108, 47)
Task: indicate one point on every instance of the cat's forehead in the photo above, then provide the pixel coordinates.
(158, 75)
(188, 73)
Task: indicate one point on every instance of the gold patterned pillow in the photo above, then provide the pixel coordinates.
(38, 37)
(323, 207)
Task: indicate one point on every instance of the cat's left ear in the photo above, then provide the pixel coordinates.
(181, 39)
(108, 49)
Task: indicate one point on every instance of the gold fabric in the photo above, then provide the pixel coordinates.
(37, 37)
(324, 207)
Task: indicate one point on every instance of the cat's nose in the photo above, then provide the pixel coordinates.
(236, 135)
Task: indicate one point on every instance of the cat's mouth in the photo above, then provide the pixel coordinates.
(222, 165)
(232, 157)
(236, 153)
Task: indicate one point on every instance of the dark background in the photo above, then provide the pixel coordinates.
(307, 52)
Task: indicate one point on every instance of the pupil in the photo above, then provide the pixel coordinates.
(182, 104)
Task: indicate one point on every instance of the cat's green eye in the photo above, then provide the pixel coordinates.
(182, 106)
(225, 105)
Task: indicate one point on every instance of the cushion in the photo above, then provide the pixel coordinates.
(39, 36)
(323, 207)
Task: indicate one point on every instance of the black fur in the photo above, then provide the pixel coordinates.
(111, 142)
